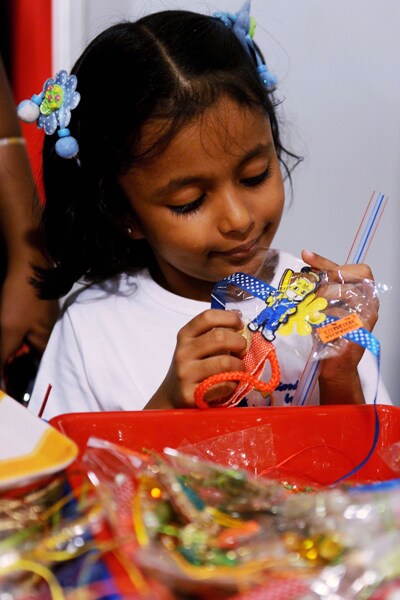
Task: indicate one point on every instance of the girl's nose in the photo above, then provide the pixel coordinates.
(235, 213)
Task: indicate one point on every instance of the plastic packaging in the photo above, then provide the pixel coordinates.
(201, 527)
(287, 314)
(239, 449)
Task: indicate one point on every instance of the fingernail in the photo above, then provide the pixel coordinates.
(308, 253)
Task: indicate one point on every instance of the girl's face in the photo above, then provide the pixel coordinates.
(211, 203)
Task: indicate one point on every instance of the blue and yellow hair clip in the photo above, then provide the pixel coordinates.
(51, 109)
(243, 26)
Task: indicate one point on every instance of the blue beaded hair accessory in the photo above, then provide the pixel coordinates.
(51, 109)
(243, 26)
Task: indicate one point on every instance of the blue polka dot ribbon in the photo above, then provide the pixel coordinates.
(248, 283)
(360, 336)
(367, 340)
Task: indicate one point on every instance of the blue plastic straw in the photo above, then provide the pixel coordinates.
(366, 231)
(357, 254)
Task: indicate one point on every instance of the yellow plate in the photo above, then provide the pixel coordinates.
(29, 447)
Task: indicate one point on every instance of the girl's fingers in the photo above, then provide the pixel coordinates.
(339, 273)
(218, 341)
(198, 371)
(213, 332)
(210, 344)
(318, 262)
(214, 365)
(209, 319)
(350, 287)
(220, 391)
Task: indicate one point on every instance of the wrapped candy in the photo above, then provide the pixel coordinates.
(202, 527)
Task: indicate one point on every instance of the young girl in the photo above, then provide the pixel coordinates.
(177, 185)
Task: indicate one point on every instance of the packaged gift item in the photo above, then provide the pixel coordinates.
(290, 313)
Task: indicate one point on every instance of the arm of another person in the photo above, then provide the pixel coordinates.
(23, 316)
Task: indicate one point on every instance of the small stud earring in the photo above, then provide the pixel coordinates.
(129, 230)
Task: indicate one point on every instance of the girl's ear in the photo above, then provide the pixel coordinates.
(133, 229)
(124, 217)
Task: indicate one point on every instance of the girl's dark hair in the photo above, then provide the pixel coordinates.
(171, 65)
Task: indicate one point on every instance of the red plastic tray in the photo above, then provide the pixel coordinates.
(319, 443)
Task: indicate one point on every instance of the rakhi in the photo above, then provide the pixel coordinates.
(280, 304)
(293, 304)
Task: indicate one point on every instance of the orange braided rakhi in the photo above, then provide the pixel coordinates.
(254, 361)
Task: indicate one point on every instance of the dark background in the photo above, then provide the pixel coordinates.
(5, 39)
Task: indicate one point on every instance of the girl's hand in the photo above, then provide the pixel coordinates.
(339, 381)
(210, 343)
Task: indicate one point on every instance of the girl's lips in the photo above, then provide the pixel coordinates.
(241, 251)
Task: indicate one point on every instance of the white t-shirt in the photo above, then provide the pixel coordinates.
(113, 345)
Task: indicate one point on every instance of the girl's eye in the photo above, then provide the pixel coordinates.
(257, 179)
(191, 207)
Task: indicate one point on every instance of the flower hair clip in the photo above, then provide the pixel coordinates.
(51, 109)
(243, 26)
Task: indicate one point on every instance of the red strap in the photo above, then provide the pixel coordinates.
(259, 352)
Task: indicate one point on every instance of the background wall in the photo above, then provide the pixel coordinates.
(338, 67)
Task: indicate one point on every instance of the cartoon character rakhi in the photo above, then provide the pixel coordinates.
(281, 321)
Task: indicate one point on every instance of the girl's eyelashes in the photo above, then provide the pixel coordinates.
(257, 179)
(191, 207)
